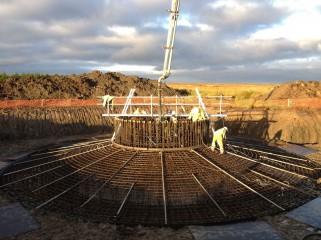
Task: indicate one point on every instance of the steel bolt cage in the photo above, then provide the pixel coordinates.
(149, 133)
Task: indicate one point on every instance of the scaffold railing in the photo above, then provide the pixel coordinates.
(147, 106)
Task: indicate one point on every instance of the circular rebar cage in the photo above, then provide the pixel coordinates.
(162, 173)
(142, 132)
(105, 182)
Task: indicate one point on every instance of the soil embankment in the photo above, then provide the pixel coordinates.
(31, 123)
(295, 90)
(300, 126)
(82, 86)
(286, 124)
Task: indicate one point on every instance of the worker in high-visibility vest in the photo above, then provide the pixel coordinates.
(108, 99)
(174, 117)
(196, 114)
(219, 136)
(138, 111)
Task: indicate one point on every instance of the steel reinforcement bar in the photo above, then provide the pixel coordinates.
(237, 180)
(53, 161)
(140, 132)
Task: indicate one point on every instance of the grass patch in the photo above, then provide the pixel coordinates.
(183, 92)
(3, 76)
(239, 91)
(244, 95)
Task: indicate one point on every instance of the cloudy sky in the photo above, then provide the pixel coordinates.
(243, 41)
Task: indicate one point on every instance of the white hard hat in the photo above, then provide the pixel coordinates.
(225, 128)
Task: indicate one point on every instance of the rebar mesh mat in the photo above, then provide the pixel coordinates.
(103, 182)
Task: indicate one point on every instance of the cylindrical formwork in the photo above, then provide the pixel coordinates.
(142, 132)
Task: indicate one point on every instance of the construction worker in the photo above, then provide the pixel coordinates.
(219, 137)
(108, 99)
(173, 117)
(196, 114)
(137, 111)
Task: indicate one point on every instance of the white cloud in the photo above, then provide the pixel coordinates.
(130, 68)
(222, 39)
(123, 31)
(298, 26)
(150, 25)
(236, 6)
(294, 63)
(184, 20)
(234, 11)
(297, 5)
(205, 27)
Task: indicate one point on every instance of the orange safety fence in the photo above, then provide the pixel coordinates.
(283, 103)
(80, 102)
(305, 103)
(279, 104)
(49, 103)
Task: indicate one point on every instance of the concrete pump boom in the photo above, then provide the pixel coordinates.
(169, 49)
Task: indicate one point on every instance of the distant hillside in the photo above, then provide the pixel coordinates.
(83, 86)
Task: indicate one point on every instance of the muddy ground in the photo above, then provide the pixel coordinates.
(57, 226)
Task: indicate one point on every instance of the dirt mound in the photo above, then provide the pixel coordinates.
(293, 90)
(83, 86)
(298, 126)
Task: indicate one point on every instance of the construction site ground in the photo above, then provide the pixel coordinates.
(89, 86)
(57, 226)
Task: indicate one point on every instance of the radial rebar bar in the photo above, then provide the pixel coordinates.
(64, 192)
(50, 162)
(281, 183)
(76, 171)
(240, 182)
(208, 195)
(163, 186)
(280, 169)
(125, 199)
(162, 175)
(108, 180)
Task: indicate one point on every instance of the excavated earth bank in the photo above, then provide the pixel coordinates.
(82, 86)
(32, 123)
(300, 126)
